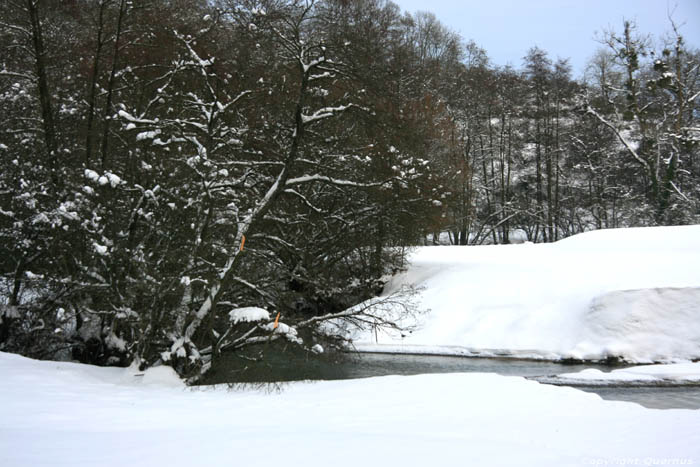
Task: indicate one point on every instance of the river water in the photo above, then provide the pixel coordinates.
(291, 367)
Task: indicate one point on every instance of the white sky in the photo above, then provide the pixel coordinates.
(564, 28)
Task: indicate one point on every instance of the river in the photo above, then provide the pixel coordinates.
(294, 367)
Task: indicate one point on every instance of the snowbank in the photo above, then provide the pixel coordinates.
(68, 415)
(24, 372)
(646, 375)
(642, 325)
(630, 293)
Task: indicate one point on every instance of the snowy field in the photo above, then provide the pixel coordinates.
(64, 414)
(630, 293)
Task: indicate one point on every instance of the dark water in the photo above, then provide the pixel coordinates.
(680, 397)
(293, 367)
(371, 364)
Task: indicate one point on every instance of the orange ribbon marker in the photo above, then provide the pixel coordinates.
(277, 321)
(242, 242)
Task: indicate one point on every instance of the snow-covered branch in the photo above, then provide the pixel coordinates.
(331, 180)
(620, 136)
(16, 28)
(11, 74)
(305, 200)
(328, 112)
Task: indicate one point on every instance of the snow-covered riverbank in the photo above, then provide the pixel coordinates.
(630, 293)
(63, 414)
(673, 374)
(633, 294)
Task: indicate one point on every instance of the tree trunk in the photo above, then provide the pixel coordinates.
(107, 116)
(44, 94)
(93, 83)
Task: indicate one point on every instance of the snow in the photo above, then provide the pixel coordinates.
(289, 332)
(91, 175)
(675, 373)
(115, 342)
(325, 112)
(178, 348)
(99, 249)
(664, 320)
(629, 293)
(114, 180)
(108, 178)
(10, 312)
(64, 414)
(248, 315)
(21, 372)
(144, 135)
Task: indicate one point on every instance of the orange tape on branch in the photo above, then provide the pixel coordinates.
(242, 242)
(277, 321)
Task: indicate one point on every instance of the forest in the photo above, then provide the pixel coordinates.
(177, 174)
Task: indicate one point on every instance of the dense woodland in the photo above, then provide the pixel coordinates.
(167, 161)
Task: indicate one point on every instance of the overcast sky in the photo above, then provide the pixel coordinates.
(564, 28)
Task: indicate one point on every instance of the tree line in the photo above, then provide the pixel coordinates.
(168, 162)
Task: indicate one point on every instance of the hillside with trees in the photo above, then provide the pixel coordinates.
(166, 163)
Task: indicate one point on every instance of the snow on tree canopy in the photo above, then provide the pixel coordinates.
(100, 249)
(289, 332)
(108, 178)
(92, 175)
(248, 315)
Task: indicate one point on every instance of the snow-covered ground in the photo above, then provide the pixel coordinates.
(669, 374)
(64, 414)
(630, 293)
